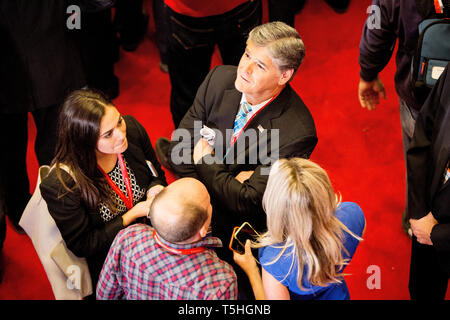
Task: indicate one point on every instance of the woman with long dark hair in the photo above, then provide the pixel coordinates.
(103, 176)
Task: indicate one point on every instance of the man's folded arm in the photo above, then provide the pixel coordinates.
(243, 198)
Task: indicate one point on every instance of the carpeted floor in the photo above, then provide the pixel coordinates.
(361, 150)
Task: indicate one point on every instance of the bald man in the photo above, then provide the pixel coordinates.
(172, 260)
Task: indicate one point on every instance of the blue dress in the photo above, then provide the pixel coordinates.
(285, 269)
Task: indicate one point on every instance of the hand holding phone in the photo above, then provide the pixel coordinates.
(246, 261)
(240, 236)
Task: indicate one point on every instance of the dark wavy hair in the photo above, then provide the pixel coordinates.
(78, 133)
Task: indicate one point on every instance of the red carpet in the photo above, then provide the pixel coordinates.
(361, 150)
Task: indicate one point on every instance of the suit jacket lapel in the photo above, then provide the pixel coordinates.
(442, 156)
(441, 165)
(263, 120)
(223, 116)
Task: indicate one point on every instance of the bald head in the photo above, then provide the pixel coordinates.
(180, 211)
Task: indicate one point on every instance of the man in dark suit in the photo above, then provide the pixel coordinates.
(429, 195)
(39, 66)
(257, 118)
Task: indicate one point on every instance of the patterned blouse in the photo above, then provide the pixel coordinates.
(117, 178)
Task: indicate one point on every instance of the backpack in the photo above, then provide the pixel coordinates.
(433, 47)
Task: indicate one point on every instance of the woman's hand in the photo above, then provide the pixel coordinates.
(141, 209)
(153, 191)
(246, 261)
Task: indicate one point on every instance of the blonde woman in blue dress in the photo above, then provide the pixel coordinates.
(311, 236)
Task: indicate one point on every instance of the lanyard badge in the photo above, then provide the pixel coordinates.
(174, 250)
(127, 200)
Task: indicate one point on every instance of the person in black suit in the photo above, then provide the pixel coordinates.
(116, 172)
(429, 195)
(39, 66)
(279, 125)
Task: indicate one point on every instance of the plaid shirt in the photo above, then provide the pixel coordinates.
(138, 268)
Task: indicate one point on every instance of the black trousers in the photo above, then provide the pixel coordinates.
(128, 19)
(427, 281)
(191, 45)
(15, 186)
(99, 49)
(284, 10)
(162, 28)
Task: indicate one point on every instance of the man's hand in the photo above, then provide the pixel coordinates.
(368, 93)
(244, 175)
(422, 228)
(201, 149)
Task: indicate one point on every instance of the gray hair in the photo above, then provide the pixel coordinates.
(285, 45)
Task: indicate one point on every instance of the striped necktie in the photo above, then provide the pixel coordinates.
(241, 118)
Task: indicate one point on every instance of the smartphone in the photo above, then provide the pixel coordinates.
(240, 236)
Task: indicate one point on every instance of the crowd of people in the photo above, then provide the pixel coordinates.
(239, 152)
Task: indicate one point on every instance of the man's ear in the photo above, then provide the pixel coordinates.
(285, 76)
(204, 231)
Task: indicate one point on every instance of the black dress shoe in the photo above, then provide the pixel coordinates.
(131, 42)
(162, 151)
(339, 6)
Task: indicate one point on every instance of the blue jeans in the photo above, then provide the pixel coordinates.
(191, 45)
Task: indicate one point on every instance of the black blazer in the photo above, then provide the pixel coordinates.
(83, 230)
(215, 105)
(427, 159)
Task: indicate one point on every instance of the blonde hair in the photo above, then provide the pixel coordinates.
(283, 42)
(300, 203)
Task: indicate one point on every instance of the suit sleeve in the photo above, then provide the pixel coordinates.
(238, 197)
(419, 154)
(243, 198)
(377, 43)
(82, 236)
(440, 236)
(418, 168)
(420, 162)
